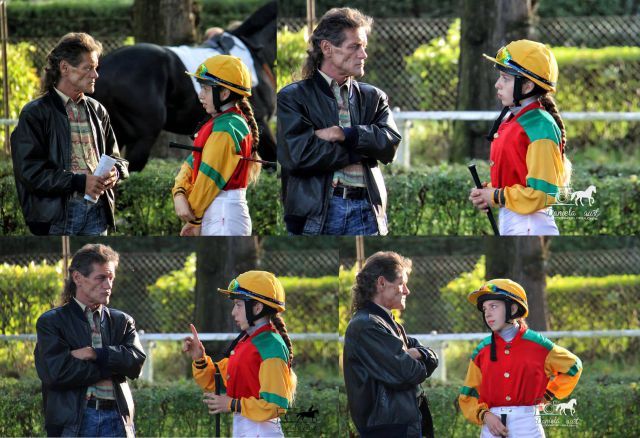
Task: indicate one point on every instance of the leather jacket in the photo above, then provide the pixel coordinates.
(308, 162)
(382, 379)
(41, 153)
(65, 379)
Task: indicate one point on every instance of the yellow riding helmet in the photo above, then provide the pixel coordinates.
(226, 71)
(530, 59)
(261, 286)
(500, 289)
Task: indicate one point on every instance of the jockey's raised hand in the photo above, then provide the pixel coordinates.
(192, 345)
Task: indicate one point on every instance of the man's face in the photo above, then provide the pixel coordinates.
(348, 58)
(81, 78)
(95, 288)
(393, 294)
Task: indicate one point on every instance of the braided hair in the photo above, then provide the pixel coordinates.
(280, 326)
(247, 110)
(549, 104)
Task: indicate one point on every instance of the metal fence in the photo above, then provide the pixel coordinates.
(589, 300)
(392, 40)
(170, 306)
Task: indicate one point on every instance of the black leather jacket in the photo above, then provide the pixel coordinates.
(41, 153)
(382, 379)
(308, 162)
(65, 379)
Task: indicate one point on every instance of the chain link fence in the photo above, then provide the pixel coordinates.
(584, 289)
(158, 288)
(411, 60)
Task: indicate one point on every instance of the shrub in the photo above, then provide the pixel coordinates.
(292, 48)
(169, 409)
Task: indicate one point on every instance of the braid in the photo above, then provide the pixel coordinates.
(550, 106)
(278, 322)
(254, 167)
(546, 100)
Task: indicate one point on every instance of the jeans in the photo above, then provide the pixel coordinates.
(82, 218)
(350, 217)
(102, 423)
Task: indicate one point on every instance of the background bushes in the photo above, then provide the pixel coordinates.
(425, 200)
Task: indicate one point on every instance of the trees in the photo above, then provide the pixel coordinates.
(487, 25)
(164, 22)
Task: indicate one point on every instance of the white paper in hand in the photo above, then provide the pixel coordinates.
(104, 167)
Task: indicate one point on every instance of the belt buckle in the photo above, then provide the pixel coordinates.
(344, 192)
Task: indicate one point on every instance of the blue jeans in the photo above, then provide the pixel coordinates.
(350, 217)
(82, 218)
(102, 423)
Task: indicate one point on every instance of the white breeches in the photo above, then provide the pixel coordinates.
(228, 215)
(540, 223)
(522, 421)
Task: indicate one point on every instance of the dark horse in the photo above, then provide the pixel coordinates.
(145, 89)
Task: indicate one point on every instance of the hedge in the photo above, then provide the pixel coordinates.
(608, 409)
(107, 17)
(426, 200)
(169, 409)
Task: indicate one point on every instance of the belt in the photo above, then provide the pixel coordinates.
(102, 405)
(350, 192)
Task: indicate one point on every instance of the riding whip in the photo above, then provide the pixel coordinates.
(199, 149)
(218, 382)
(476, 180)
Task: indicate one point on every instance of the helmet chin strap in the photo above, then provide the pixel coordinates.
(217, 102)
(518, 96)
(251, 318)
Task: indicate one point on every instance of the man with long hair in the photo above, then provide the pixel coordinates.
(58, 143)
(383, 367)
(85, 352)
(332, 132)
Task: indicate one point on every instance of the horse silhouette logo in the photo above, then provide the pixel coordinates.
(585, 194)
(310, 413)
(563, 407)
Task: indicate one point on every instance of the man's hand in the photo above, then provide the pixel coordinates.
(414, 353)
(192, 345)
(95, 186)
(86, 353)
(334, 133)
(111, 179)
(495, 425)
(482, 199)
(189, 229)
(217, 403)
(182, 207)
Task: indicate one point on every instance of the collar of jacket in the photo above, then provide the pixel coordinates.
(379, 311)
(76, 310)
(322, 84)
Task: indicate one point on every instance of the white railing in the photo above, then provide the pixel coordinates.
(437, 341)
(404, 120)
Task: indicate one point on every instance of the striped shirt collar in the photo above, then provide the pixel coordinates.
(84, 307)
(330, 80)
(66, 99)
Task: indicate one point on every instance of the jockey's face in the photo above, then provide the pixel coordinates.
(495, 313)
(79, 79)
(206, 97)
(347, 59)
(505, 84)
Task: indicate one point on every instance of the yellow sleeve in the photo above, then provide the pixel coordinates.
(220, 157)
(468, 399)
(182, 182)
(204, 372)
(545, 175)
(276, 392)
(564, 368)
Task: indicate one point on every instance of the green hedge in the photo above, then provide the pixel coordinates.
(104, 18)
(144, 205)
(168, 409)
(608, 409)
(431, 200)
